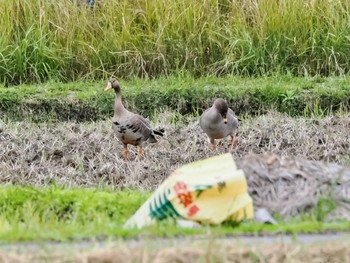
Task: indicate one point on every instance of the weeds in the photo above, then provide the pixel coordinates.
(324, 206)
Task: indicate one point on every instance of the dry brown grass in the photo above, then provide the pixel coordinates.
(338, 251)
(88, 154)
(289, 185)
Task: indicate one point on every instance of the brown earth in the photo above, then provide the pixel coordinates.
(337, 251)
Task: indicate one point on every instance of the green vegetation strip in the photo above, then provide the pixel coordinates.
(87, 101)
(43, 40)
(54, 213)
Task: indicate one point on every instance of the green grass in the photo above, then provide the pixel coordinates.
(82, 100)
(66, 41)
(347, 160)
(55, 213)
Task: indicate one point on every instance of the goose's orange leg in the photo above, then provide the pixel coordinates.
(232, 142)
(140, 152)
(125, 152)
(213, 144)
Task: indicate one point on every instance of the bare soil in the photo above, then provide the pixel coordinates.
(232, 250)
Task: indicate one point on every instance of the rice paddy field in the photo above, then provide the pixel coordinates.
(67, 181)
(282, 67)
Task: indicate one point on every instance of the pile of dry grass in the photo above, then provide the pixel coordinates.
(289, 185)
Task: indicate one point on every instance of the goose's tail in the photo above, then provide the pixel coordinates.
(159, 132)
(152, 138)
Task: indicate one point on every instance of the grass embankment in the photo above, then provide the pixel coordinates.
(65, 40)
(53, 213)
(87, 101)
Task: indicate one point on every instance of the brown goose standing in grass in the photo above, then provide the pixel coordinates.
(131, 128)
(218, 122)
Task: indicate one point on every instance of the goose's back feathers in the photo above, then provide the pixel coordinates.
(132, 128)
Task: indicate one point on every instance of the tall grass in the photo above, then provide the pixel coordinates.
(67, 40)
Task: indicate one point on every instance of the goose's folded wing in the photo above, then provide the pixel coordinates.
(233, 114)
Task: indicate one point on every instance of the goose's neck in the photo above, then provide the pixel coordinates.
(118, 104)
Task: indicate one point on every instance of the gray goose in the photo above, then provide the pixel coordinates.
(130, 128)
(218, 122)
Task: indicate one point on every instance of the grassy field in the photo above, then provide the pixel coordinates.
(62, 172)
(86, 101)
(66, 41)
(282, 65)
(66, 214)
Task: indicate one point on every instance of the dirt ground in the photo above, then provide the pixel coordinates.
(88, 154)
(197, 251)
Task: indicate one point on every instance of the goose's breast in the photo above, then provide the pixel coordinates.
(217, 132)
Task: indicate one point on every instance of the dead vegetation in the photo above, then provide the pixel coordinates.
(88, 154)
(338, 251)
(290, 186)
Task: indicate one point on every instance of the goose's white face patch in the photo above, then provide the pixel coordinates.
(109, 86)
